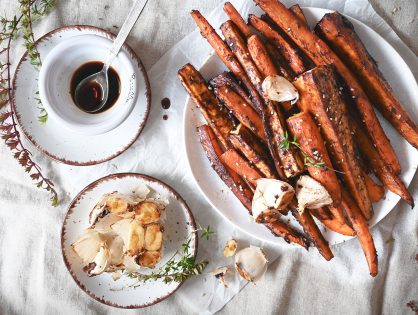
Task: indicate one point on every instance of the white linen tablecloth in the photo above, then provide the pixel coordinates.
(33, 278)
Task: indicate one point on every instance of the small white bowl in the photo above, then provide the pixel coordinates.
(55, 79)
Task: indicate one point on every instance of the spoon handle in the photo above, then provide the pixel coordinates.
(126, 29)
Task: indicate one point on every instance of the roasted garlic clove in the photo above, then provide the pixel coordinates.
(279, 89)
(153, 237)
(147, 212)
(149, 259)
(251, 263)
(311, 194)
(230, 248)
(270, 196)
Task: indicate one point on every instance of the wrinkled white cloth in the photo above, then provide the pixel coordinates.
(33, 278)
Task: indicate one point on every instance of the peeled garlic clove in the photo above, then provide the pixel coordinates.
(311, 194)
(153, 237)
(149, 259)
(147, 212)
(230, 248)
(223, 274)
(88, 245)
(270, 195)
(251, 263)
(279, 89)
(101, 261)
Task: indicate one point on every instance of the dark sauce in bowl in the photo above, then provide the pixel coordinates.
(91, 95)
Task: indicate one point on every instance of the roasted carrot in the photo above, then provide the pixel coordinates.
(237, 19)
(286, 160)
(318, 51)
(376, 192)
(241, 166)
(304, 130)
(297, 10)
(311, 229)
(226, 55)
(263, 61)
(208, 105)
(362, 230)
(230, 178)
(226, 78)
(280, 62)
(288, 52)
(241, 110)
(338, 32)
(319, 95)
(332, 223)
(278, 228)
(255, 152)
(378, 166)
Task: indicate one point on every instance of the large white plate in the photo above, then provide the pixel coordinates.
(223, 200)
(178, 225)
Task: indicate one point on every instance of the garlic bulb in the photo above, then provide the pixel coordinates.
(251, 263)
(311, 194)
(270, 195)
(279, 89)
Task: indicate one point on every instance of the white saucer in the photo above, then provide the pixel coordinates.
(61, 143)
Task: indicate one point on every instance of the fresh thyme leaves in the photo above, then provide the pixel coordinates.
(176, 269)
(9, 31)
(308, 160)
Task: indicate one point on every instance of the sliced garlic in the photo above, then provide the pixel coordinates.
(251, 263)
(270, 195)
(223, 274)
(153, 237)
(279, 89)
(311, 194)
(88, 245)
(230, 248)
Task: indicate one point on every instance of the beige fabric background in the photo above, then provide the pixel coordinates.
(31, 287)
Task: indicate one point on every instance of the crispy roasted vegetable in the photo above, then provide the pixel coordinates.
(319, 96)
(241, 166)
(376, 192)
(255, 152)
(331, 222)
(338, 32)
(297, 10)
(289, 52)
(213, 151)
(241, 110)
(311, 229)
(378, 166)
(290, 235)
(318, 51)
(279, 61)
(237, 19)
(362, 230)
(304, 130)
(226, 78)
(207, 103)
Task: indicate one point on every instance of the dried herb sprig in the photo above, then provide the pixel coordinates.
(9, 31)
(176, 270)
(308, 160)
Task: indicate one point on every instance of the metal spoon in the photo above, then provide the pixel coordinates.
(101, 78)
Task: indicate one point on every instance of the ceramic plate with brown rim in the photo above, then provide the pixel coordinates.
(58, 140)
(178, 225)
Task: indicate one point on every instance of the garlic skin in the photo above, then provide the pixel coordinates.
(101, 261)
(270, 196)
(311, 194)
(251, 263)
(223, 274)
(279, 89)
(88, 245)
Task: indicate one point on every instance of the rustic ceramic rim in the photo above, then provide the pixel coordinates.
(90, 187)
(133, 56)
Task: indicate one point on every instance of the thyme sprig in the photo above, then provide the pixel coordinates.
(9, 31)
(308, 160)
(175, 269)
